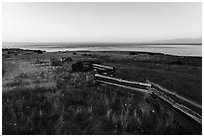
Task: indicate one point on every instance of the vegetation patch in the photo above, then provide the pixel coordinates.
(46, 99)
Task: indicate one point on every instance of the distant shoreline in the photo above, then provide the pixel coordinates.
(178, 49)
(65, 51)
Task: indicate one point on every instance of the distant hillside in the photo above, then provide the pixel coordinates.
(179, 41)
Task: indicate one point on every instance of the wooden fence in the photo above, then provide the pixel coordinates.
(152, 89)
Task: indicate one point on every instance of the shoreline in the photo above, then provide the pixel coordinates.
(85, 50)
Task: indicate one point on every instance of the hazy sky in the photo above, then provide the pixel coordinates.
(100, 22)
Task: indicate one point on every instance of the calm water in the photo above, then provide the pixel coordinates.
(180, 50)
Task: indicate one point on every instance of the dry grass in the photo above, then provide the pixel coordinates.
(42, 99)
(72, 104)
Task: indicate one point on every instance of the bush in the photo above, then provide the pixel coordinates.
(39, 51)
(55, 62)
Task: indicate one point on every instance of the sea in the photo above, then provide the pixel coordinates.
(178, 50)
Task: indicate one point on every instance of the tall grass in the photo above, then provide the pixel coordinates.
(59, 101)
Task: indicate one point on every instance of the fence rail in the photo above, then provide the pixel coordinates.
(123, 81)
(174, 94)
(124, 86)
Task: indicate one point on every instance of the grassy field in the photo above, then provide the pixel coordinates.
(39, 98)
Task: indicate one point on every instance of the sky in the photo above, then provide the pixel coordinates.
(100, 22)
